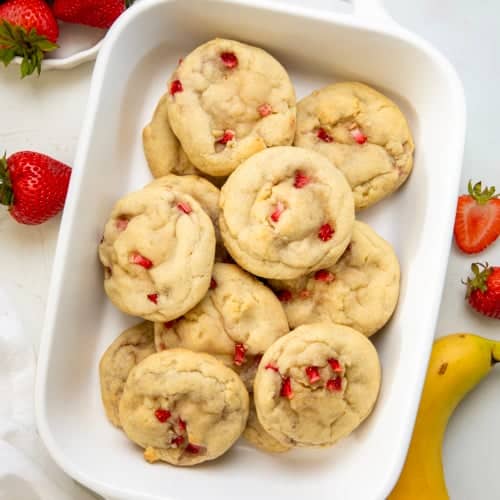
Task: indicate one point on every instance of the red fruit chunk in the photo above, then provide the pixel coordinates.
(121, 224)
(323, 135)
(213, 284)
(177, 441)
(286, 388)
(184, 207)
(182, 424)
(228, 136)
(265, 109)
(304, 294)
(162, 415)
(169, 324)
(193, 449)
(270, 366)
(334, 384)
(239, 354)
(301, 180)
(312, 373)
(335, 365)
(325, 232)
(275, 216)
(153, 297)
(229, 60)
(176, 86)
(358, 136)
(140, 260)
(284, 295)
(324, 275)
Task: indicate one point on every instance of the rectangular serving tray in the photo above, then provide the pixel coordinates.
(137, 58)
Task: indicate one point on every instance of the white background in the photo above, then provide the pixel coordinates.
(45, 114)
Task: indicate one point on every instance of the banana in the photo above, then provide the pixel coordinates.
(458, 363)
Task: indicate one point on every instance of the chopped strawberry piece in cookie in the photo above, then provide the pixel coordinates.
(335, 365)
(358, 136)
(301, 180)
(213, 284)
(184, 207)
(193, 449)
(270, 366)
(169, 324)
(176, 86)
(121, 223)
(279, 209)
(153, 297)
(284, 295)
(286, 388)
(334, 384)
(162, 415)
(229, 60)
(324, 136)
(324, 275)
(312, 373)
(140, 260)
(239, 354)
(181, 424)
(325, 232)
(177, 442)
(228, 136)
(265, 109)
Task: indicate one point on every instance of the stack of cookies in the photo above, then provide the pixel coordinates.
(249, 230)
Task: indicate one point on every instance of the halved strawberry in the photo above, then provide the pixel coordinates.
(477, 221)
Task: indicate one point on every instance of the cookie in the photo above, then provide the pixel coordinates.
(238, 319)
(255, 434)
(162, 149)
(363, 133)
(361, 290)
(157, 251)
(286, 212)
(183, 407)
(204, 192)
(317, 384)
(131, 347)
(227, 101)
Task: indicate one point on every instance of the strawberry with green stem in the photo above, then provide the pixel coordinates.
(477, 221)
(483, 289)
(28, 29)
(33, 186)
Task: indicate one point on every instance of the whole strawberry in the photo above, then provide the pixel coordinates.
(477, 221)
(483, 289)
(97, 13)
(28, 29)
(33, 186)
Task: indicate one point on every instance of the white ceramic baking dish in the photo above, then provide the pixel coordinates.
(137, 57)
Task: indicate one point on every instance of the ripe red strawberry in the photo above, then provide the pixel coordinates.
(33, 186)
(483, 290)
(97, 13)
(28, 29)
(477, 222)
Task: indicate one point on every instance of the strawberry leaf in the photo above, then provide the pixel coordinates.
(482, 196)
(6, 193)
(16, 41)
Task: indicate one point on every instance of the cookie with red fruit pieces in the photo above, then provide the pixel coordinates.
(158, 252)
(127, 350)
(183, 407)
(361, 290)
(483, 289)
(237, 320)
(286, 212)
(363, 133)
(229, 100)
(317, 384)
(163, 150)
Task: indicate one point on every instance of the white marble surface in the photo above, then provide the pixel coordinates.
(45, 114)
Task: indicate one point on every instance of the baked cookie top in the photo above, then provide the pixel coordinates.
(158, 251)
(204, 192)
(363, 133)
(183, 407)
(285, 212)
(361, 290)
(238, 319)
(131, 347)
(227, 101)
(316, 384)
(254, 433)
